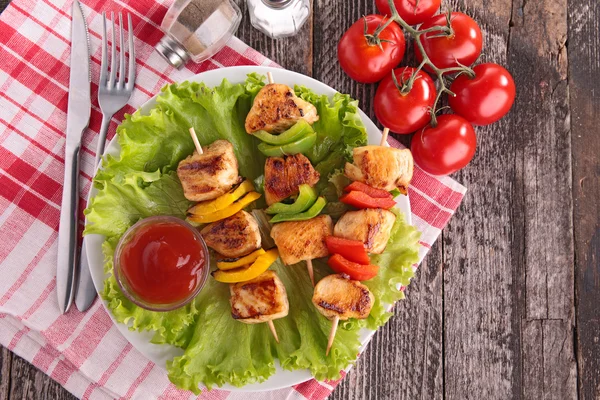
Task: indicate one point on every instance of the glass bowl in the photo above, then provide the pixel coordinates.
(126, 287)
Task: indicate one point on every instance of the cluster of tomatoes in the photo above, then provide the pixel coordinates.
(407, 99)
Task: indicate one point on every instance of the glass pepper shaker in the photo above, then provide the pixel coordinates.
(197, 29)
(278, 18)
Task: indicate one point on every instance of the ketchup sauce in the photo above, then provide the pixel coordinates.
(162, 262)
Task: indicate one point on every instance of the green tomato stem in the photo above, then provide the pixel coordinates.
(426, 61)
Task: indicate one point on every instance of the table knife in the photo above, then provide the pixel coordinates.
(86, 291)
(78, 117)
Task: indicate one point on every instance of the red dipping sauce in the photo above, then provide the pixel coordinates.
(161, 263)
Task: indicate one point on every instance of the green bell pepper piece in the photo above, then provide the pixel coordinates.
(297, 131)
(312, 212)
(299, 146)
(306, 198)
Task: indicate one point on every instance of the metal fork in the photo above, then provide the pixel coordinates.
(113, 93)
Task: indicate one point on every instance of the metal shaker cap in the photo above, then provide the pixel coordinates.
(172, 51)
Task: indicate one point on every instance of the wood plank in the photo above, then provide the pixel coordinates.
(293, 53)
(545, 154)
(584, 69)
(538, 55)
(28, 382)
(481, 286)
(547, 355)
(5, 363)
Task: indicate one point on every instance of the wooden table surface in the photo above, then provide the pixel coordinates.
(507, 303)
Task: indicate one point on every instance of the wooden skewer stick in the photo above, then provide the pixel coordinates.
(311, 272)
(195, 139)
(384, 136)
(270, 78)
(273, 331)
(334, 325)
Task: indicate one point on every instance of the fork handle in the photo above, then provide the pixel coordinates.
(102, 138)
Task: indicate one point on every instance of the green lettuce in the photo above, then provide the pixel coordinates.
(339, 129)
(223, 350)
(142, 182)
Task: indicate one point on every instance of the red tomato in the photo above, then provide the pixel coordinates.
(363, 200)
(363, 60)
(356, 271)
(413, 12)
(463, 46)
(446, 148)
(404, 113)
(352, 250)
(370, 190)
(487, 97)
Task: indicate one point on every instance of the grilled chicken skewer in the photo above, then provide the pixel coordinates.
(210, 174)
(338, 297)
(284, 175)
(262, 299)
(384, 168)
(303, 240)
(276, 108)
(233, 237)
(372, 226)
(381, 167)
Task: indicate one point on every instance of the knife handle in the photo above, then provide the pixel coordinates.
(67, 231)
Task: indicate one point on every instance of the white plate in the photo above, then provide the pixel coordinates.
(141, 340)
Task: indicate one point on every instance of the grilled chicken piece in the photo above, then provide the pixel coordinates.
(283, 176)
(372, 226)
(259, 300)
(276, 108)
(302, 240)
(209, 175)
(233, 237)
(339, 296)
(381, 167)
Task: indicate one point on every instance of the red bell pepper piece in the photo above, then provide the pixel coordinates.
(363, 200)
(353, 250)
(356, 271)
(370, 190)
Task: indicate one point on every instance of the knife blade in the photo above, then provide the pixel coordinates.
(86, 291)
(78, 116)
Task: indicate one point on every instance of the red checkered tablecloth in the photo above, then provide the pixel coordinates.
(84, 352)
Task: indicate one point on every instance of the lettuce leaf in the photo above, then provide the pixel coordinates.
(142, 181)
(396, 269)
(339, 129)
(223, 350)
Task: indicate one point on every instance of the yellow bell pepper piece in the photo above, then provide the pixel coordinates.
(227, 211)
(211, 206)
(259, 266)
(240, 262)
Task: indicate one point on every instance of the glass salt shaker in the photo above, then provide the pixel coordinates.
(197, 29)
(278, 18)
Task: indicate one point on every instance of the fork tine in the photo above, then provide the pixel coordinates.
(113, 54)
(121, 82)
(131, 77)
(104, 63)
